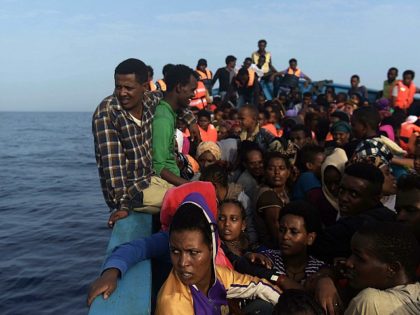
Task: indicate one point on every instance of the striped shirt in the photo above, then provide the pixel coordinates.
(311, 268)
(123, 149)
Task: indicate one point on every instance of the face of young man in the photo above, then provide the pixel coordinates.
(186, 92)
(408, 209)
(129, 91)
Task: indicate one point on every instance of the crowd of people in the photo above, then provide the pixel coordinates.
(275, 194)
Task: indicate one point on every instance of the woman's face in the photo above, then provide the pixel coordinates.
(191, 258)
(365, 269)
(230, 222)
(341, 137)
(277, 173)
(293, 237)
(390, 183)
(332, 178)
(206, 159)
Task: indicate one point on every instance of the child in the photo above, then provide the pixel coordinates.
(207, 131)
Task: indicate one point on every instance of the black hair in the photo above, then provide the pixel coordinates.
(305, 210)
(234, 202)
(276, 155)
(307, 154)
(296, 302)
(369, 173)
(150, 71)
(248, 59)
(409, 72)
(341, 115)
(230, 59)
(166, 68)
(355, 76)
(392, 242)
(301, 127)
(266, 113)
(252, 110)
(368, 116)
(202, 62)
(307, 94)
(342, 95)
(247, 146)
(190, 217)
(409, 182)
(292, 60)
(133, 66)
(178, 74)
(216, 174)
(393, 68)
(262, 41)
(204, 113)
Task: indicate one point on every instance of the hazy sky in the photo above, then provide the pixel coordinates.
(60, 55)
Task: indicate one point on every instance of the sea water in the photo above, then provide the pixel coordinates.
(53, 232)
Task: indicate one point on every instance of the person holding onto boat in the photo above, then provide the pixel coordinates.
(122, 131)
(196, 285)
(225, 76)
(205, 75)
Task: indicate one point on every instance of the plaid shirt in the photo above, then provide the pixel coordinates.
(123, 149)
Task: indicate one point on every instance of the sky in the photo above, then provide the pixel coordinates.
(60, 55)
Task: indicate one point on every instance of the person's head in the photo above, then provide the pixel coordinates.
(208, 153)
(408, 202)
(341, 133)
(262, 44)
(181, 82)
(293, 63)
(339, 116)
(365, 122)
(202, 64)
(312, 121)
(150, 73)
(242, 77)
(252, 159)
(341, 97)
(130, 83)
(310, 159)
(230, 61)
(204, 119)
(166, 69)
(222, 132)
(300, 135)
(354, 81)
(307, 98)
(218, 176)
(392, 74)
(192, 244)
(263, 117)
(277, 170)
(360, 189)
(384, 255)
(247, 63)
(408, 77)
(297, 302)
(231, 221)
(181, 124)
(248, 117)
(390, 183)
(298, 227)
(332, 172)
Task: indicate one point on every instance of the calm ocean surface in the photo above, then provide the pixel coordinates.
(53, 231)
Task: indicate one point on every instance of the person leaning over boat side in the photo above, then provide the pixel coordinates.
(121, 127)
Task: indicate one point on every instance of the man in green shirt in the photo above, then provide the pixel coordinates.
(181, 83)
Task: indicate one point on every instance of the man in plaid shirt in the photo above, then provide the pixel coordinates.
(122, 130)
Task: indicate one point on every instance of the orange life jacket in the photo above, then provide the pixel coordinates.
(205, 75)
(405, 95)
(152, 86)
(162, 85)
(251, 78)
(296, 73)
(199, 100)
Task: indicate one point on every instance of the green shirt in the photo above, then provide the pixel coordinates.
(163, 138)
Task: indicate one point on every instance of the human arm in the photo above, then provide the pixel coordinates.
(215, 77)
(124, 257)
(404, 162)
(172, 178)
(189, 118)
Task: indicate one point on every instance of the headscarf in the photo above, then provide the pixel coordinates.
(210, 146)
(341, 126)
(337, 159)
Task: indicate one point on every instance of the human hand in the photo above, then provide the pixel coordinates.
(117, 215)
(261, 259)
(327, 296)
(106, 284)
(195, 133)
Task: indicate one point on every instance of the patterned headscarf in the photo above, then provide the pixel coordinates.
(210, 146)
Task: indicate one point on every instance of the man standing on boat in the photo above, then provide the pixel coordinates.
(122, 130)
